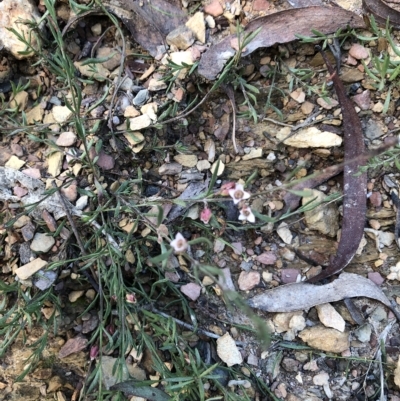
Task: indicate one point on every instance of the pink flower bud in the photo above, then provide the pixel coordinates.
(94, 351)
(224, 191)
(205, 215)
(110, 329)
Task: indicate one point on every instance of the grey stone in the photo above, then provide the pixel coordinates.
(25, 253)
(42, 243)
(363, 333)
(44, 279)
(141, 97)
(373, 130)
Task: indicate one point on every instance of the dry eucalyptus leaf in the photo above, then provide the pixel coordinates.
(300, 296)
(382, 12)
(148, 21)
(280, 27)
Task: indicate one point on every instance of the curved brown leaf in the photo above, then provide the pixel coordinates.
(354, 187)
(280, 27)
(382, 12)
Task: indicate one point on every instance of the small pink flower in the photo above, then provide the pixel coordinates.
(205, 215)
(94, 351)
(247, 215)
(238, 193)
(130, 298)
(224, 191)
(179, 243)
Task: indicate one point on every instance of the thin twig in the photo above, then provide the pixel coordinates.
(77, 236)
(190, 326)
(231, 96)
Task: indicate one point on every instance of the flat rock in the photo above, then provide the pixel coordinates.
(95, 71)
(310, 137)
(228, 351)
(131, 111)
(297, 323)
(307, 107)
(45, 279)
(114, 57)
(248, 280)
(138, 123)
(214, 8)
(363, 100)
(397, 374)
(179, 58)
(22, 221)
(321, 379)
(221, 167)
(203, 165)
(363, 333)
(267, 258)
(324, 217)
(20, 100)
(141, 97)
(289, 275)
(156, 84)
(282, 321)
(61, 114)
(19, 191)
(28, 270)
(373, 129)
(28, 231)
(73, 296)
(351, 75)
(170, 169)
(254, 153)
(151, 110)
(54, 162)
(327, 103)
(32, 172)
(210, 21)
(35, 115)
(284, 233)
(186, 160)
(74, 345)
(49, 220)
(109, 376)
(329, 317)
(376, 278)
(14, 162)
(358, 51)
(42, 243)
(191, 290)
(67, 138)
(134, 138)
(197, 25)
(105, 161)
(325, 339)
(17, 149)
(70, 191)
(11, 13)
(298, 95)
(181, 37)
